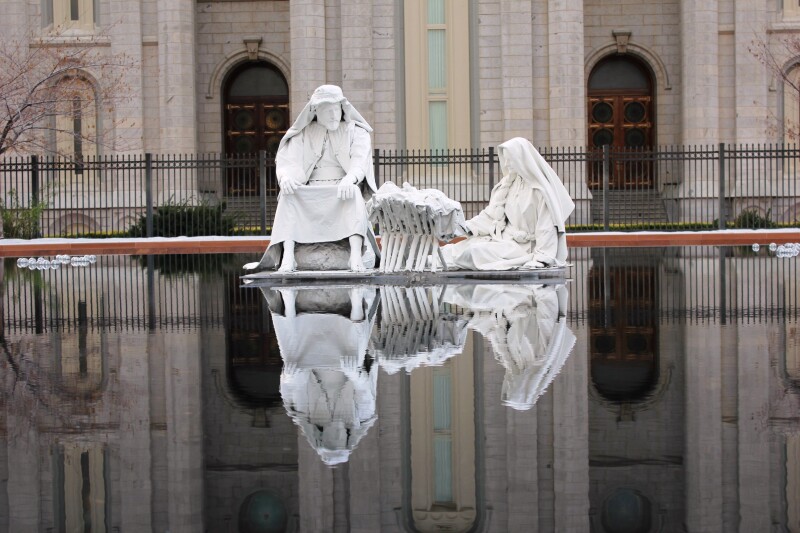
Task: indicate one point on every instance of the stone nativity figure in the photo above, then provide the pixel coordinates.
(324, 170)
(523, 225)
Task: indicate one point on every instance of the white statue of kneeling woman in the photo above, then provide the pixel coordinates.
(523, 225)
(323, 164)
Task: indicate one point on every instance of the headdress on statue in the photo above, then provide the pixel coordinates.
(331, 94)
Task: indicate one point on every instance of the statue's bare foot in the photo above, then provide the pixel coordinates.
(357, 265)
(534, 265)
(288, 265)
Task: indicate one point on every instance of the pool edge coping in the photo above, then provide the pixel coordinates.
(215, 245)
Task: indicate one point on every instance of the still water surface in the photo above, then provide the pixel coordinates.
(653, 390)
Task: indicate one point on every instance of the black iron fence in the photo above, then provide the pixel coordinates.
(663, 188)
(613, 290)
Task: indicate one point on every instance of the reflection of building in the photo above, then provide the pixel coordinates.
(692, 332)
(108, 425)
(166, 440)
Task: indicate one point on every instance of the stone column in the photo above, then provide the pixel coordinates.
(516, 58)
(571, 442)
(752, 109)
(567, 78)
(364, 470)
(390, 436)
(177, 66)
(703, 458)
(496, 448)
(316, 488)
(752, 80)
(753, 443)
(307, 35)
(567, 91)
(523, 470)
(700, 71)
(24, 495)
(184, 432)
(386, 89)
(135, 484)
(357, 56)
(127, 119)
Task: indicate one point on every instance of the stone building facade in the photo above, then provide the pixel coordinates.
(441, 73)
(228, 77)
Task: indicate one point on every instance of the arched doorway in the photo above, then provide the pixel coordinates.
(621, 115)
(623, 331)
(256, 117)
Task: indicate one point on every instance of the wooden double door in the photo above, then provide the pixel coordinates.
(621, 116)
(256, 117)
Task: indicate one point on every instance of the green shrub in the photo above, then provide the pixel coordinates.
(185, 219)
(21, 222)
(750, 218)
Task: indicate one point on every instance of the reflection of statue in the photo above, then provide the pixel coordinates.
(414, 332)
(323, 163)
(523, 226)
(328, 386)
(526, 326)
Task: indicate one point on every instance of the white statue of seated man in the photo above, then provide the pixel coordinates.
(323, 164)
(523, 225)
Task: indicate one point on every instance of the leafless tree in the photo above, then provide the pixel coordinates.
(781, 57)
(42, 82)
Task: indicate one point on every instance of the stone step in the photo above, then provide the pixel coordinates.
(629, 206)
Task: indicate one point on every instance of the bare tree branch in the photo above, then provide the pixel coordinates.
(41, 81)
(781, 58)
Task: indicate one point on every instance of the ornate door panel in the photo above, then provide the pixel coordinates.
(256, 116)
(621, 115)
(251, 127)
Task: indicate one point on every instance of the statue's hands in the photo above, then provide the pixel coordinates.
(520, 236)
(347, 188)
(288, 185)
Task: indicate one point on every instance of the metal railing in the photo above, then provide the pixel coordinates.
(613, 289)
(660, 188)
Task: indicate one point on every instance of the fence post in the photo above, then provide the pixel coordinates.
(34, 199)
(151, 294)
(722, 222)
(148, 180)
(606, 172)
(262, 186)
(491, 169)
(376, 163)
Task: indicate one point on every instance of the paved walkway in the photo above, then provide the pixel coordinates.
(215, 245)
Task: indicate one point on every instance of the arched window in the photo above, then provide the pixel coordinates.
(621, 115)
(70, 14)
(256, 118)
(76, 120)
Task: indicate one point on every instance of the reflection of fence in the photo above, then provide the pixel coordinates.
(704, 187)
(176, 292)
(126, 293)
(624, 289)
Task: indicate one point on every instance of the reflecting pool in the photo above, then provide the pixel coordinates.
(651, 390)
